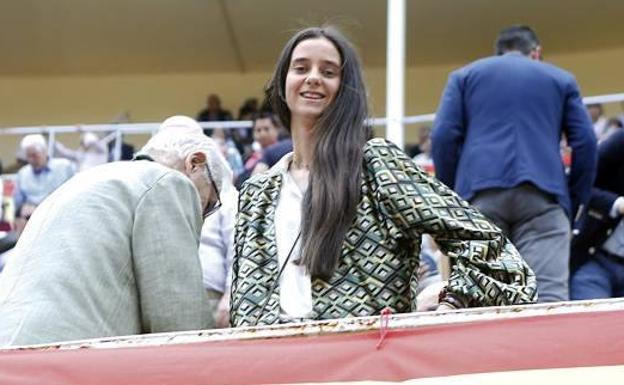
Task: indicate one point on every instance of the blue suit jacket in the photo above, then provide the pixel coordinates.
(597, 224)
(500, 122)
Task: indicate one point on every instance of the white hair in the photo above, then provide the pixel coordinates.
(171, 148)
(89, 139)
(34, 140)
(180, 124)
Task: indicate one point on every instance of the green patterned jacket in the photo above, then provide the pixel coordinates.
(379, 262)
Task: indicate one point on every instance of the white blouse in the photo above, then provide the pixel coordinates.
(295, 284)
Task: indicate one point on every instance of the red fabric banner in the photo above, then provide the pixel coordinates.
(550, 341)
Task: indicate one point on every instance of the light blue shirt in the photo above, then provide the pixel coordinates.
(33, 186)
(216, 250)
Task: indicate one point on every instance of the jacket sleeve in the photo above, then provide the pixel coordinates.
(245, 201)
(447, 135)
(487, 268)
(167, 271)
(581, 138)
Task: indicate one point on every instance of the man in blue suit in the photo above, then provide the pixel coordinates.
(496, 141)
(599, 246)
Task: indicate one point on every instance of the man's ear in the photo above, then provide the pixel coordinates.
(194, 160)
(536, 53)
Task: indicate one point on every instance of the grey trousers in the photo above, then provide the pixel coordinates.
(540, 230)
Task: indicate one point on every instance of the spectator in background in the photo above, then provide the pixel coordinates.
(266, 128)
(272, 155)
(248, 109)
(115, 250)
(38, 179)
(598, 249)
(213, 112)
(243, 136)
(424, 134)
(92, 151)
(496, 142)
(613, 125)
(8, 237)
(423, 158)
(596, 113)
(229, 151)
(127, 151)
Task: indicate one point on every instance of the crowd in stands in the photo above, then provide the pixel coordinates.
(259, 153)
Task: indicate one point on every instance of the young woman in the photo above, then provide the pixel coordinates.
(334, 229)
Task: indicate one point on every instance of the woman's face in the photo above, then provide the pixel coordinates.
(313, 78)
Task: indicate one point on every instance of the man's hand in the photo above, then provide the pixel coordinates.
(428, 299)
(620, 205)
(222, 314)
(444, 307)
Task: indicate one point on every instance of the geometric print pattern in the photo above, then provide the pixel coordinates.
(380, 254)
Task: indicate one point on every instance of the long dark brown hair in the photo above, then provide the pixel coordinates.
(330, 203)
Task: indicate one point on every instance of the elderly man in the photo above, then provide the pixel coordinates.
(39, 178)
(115, 250)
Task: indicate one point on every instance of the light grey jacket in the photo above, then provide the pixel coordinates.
(111, 252)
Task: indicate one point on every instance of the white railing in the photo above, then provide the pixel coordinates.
(119, 129)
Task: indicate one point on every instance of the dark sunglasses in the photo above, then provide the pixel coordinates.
(215, 205)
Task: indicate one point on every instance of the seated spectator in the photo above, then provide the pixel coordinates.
(8, 237)
(423, 159)
(92, 151)
(596, 113)
(38, 179)
(229, 151)
(243, 137)
(613, 125)
(248, 109)
(424, 133)
(266, 129)
(598, 249)
(272, 155)
(115, 250)
(126, 153)
(213, 112)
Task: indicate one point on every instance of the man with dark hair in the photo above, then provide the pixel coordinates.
(496, 141)
(520, 38)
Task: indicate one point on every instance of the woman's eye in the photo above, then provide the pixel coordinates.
(299, 69)
(329, 73)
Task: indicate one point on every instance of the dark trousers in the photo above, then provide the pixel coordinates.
(602, 276)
